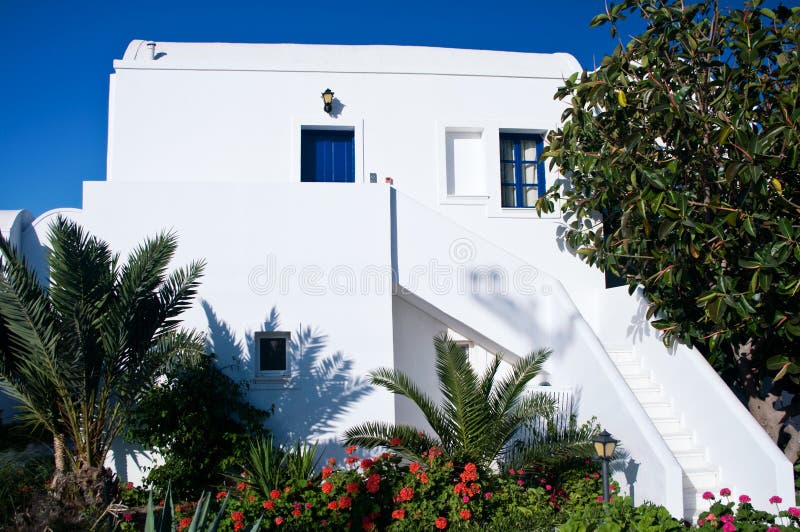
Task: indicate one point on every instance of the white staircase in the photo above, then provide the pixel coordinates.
(699, 475)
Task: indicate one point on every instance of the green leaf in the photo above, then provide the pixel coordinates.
(748, 226)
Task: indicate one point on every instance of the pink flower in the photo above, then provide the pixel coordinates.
(773, 529)
(725, 492)
(128, 517)
(465, 499)
(727, 518)
(728, 527)
(599, 498)
(488, 495)
(708, 495)
(775, 500)
(521, 482)
(794, 512)
(520, 472)
(548, 487)
(744, 499)
(511, 471)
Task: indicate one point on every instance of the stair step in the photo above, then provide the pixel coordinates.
(657, 408)
(691, 459)
(640, 381)
(651, 394)
(630, 370)
(623, 357)
(700, 479)
(667, 425)
(681, 441)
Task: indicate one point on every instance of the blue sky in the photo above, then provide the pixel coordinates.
(56, 56)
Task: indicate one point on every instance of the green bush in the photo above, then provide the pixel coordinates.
(200, 422)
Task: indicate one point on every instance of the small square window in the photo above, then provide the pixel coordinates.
(272, 354)
(521, 169)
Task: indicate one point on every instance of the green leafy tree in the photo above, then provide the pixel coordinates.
(478, 416)
(680, 154)
(78, 354)
(200, 421)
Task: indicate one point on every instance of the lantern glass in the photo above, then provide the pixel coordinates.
(327, 96)
(604, 445)
(599, 449)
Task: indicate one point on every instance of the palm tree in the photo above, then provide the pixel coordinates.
(477, 417)
(77, 355)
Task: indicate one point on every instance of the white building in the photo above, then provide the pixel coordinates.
(426, 227)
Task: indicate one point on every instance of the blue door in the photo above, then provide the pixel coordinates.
(327, 156)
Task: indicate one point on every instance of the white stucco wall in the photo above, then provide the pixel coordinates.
(234, 113)
(264, 251)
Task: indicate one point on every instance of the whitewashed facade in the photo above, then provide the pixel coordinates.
(214, 141)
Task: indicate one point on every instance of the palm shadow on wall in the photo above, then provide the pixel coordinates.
(322, 389)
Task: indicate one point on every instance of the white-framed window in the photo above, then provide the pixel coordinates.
(272, 361)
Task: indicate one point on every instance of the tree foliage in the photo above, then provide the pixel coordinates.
(200, 422)
(680, 154)
(477, 417)
(79, 353)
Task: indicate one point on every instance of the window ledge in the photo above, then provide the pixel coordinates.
(527, 212)
(464, 200)
(263, 382)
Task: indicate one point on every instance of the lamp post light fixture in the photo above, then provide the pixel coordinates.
(327, 99)
(604, 445)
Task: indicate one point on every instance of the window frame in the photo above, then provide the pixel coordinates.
(271, 375)
(518, 163)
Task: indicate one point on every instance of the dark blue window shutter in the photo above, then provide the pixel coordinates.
(327, 156)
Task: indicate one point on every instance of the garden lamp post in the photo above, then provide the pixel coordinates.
(604, 445)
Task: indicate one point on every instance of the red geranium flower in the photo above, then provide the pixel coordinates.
(279, 520)
(441, 522)
(326, 472)
(241, 486)
(366, 463)
(395, 441)
(352, 487)
(237, 516)
(414, 467)
(129, 486)
(351, 449)
(238, 525)
(373, 483)
(423, 477)
(296, 512)
(399, 514)
(185, 522)
(406, 494)
(222, 495)
(327, 487)
(465, 514)
(333, 505)
(268, 505)
(345, 502)
(275, 494)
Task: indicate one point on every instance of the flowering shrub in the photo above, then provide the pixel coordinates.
(384, 493)
(725, 514)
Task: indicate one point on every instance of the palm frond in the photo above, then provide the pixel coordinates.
(177, 292)
(372, 434)
(507, 392)
(399, 383)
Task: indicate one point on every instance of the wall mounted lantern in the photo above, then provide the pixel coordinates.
(604, 445)
(327, 98)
